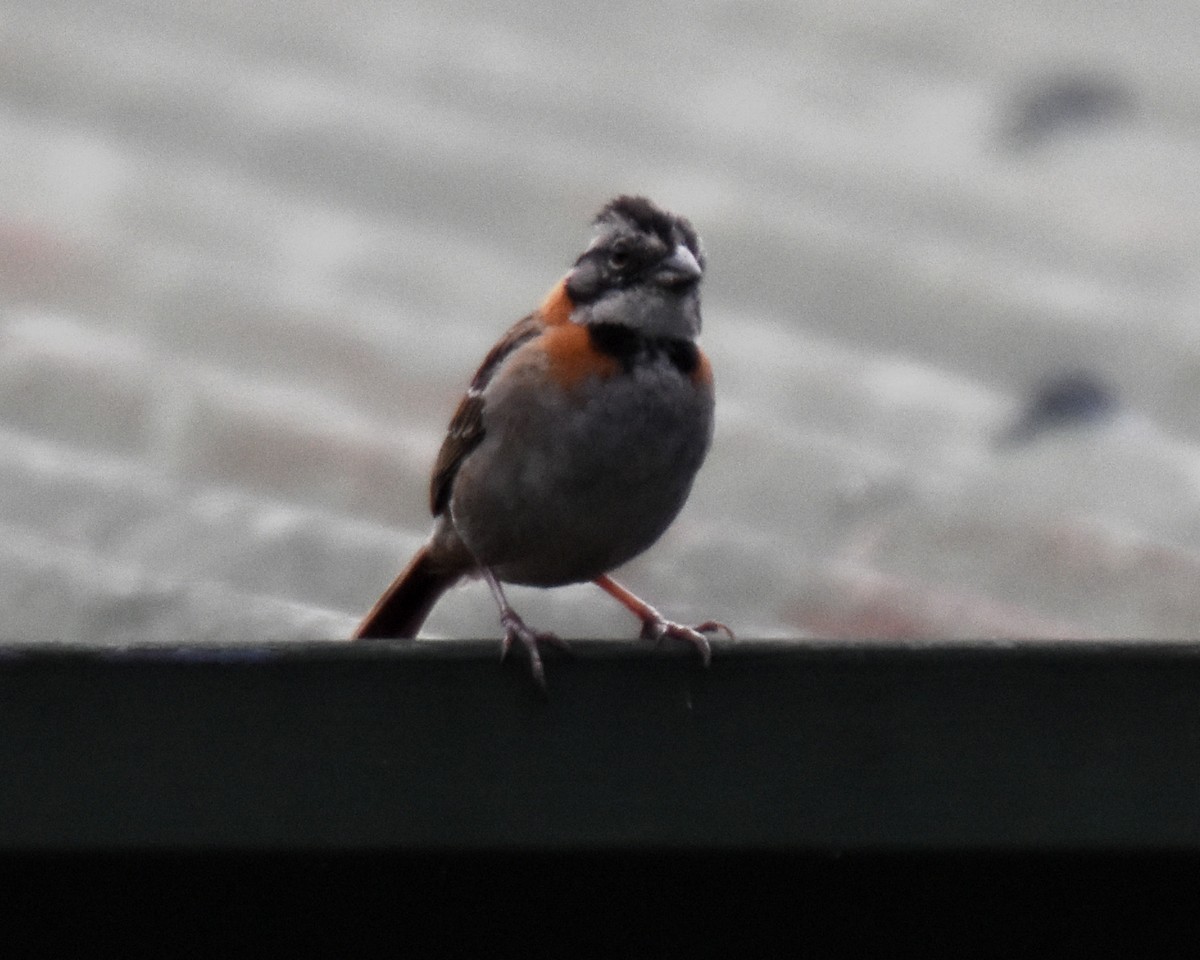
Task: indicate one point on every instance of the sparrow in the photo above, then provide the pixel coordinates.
(577, 442)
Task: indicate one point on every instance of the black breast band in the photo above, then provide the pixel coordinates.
(631, 348)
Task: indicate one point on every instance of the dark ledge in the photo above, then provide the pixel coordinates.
(434, 746)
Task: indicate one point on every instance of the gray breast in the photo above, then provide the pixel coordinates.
(562, 492)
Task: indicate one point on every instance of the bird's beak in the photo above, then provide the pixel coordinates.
(679, 269)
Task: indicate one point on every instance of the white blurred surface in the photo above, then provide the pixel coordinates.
(251, 252)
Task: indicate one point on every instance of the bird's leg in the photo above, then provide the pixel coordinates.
(655, 626)
(515, 629)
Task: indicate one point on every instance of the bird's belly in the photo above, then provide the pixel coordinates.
(561, 493)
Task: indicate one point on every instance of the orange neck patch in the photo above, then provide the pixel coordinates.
(573, 357)
(556, 309)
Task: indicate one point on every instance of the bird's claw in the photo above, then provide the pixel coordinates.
(657, 629)
(516, 629)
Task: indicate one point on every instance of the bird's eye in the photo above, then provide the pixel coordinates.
(619, 258)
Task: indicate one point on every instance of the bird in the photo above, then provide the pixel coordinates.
(578, 439)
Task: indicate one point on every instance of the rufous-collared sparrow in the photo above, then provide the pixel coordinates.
(578, 440)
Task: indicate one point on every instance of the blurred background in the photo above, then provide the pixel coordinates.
(252, 251)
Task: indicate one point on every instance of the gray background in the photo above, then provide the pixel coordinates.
(251, 252)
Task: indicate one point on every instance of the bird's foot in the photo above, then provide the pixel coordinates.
(515, 629)
(657, 628)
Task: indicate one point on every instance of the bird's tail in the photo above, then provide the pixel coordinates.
(407, 602)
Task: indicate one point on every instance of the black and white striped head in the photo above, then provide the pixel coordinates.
(642, 270)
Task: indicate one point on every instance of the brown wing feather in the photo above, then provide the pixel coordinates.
(466, 426)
